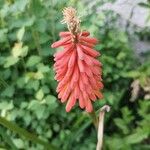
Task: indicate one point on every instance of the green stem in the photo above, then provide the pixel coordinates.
(24, 65)
(37, 41)
(4, 83)
(94, 119)
(53, 21)
(22, 132)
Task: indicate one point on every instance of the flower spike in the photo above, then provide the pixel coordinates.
(78, 72)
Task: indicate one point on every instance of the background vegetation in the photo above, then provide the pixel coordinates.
(27, 85)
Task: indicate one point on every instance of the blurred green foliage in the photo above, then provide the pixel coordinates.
(27, 85)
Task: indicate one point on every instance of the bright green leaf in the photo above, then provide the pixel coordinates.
(10, 61)
(20, 33)
(33, 60)
(39, 95)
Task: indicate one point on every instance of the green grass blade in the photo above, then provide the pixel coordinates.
(7, 139)
(22, 132)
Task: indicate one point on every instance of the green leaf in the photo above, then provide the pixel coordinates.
(20, 33)
(47, 51)
(41, 25)
(2, 60)
(9, 91)
(36, 7)
(18, 50)
(50, 99)
(44, 37)
(37, 108)
(33, 84)
(51, 102)
(3, 35)
(24, 51)
(10, 61)
(145, 5)
(121, 55)
(132, 74)
(136, 138)
(33, 104)
(76, 134)
(19, 5)
(56, 127)
(33, 60)
(39, 95)
(24, 21)
(45, 89)
(43, 68)
(121, 124)
(20, 143)
(5, 105)
(40, 111)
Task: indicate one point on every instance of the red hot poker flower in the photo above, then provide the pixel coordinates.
(78, 72)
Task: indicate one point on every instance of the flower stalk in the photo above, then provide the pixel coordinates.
(100, 132)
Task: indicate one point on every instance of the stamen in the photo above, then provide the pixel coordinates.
(72, 20)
